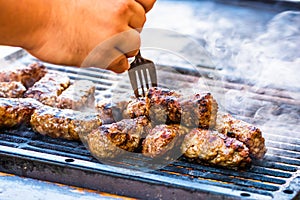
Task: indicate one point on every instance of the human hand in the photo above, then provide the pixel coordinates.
(104, 31)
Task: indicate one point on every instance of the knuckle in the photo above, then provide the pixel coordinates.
(148, 4)
(124, 6)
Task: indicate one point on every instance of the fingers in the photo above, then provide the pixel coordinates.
(119, 65)
(128, 42)
(112, 54)
(147, 4)
(106, 57)
(138, 17)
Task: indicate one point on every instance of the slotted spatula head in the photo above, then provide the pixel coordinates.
(142, 75)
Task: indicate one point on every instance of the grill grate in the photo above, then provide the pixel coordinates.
(277, 176)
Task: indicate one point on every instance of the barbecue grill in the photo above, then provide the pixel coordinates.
(277, 176)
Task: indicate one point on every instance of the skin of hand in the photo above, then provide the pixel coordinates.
(98, 33)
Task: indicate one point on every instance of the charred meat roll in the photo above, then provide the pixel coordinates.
(80, 95)
(216, 149)
(112, 140)
(164, 140)
(48, 88)
(199, 111)
(109, 111)
(247, 133)
(163, 106)
(135, 108)
(63, 123)
(27, 75)
(11, 89)
(15, 112)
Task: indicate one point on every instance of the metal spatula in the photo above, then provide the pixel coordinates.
(142, 75)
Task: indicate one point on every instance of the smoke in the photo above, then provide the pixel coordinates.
(273, 58)
(256, 48)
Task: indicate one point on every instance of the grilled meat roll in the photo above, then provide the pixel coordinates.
(110, 112)
(250, 135)
(48, 88)
(15, 112)
(199, 111)
(110, 140)
(163, 140)
(80, 95)
(63, 123)
(163, 106)
(11, 89)
(166, 106)
(27, 75)
(214, 148)
(135, 108)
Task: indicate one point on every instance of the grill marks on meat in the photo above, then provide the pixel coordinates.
(11, 89)
(163, 106)
(168, 107)
(100, 145)
(214, 148)
(48, 88)
(79, 96)
(164, 140)
(111, 112)
(15, 112)
(228, 142)
(244, 132)
(135, 108)
(110, 140)
(199, 111)
(63, 123)
(46, 120)
(27, 75)
(127, 133)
